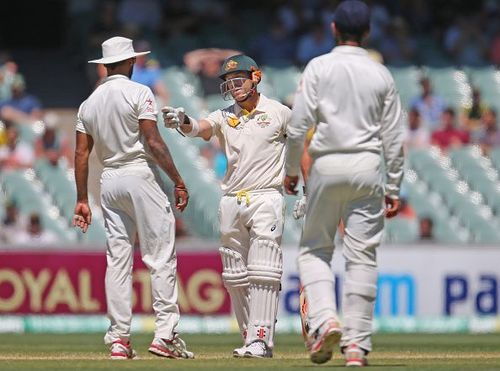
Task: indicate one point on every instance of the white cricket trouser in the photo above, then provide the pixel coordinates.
(133, 201)
(253, 230)
(347, 186)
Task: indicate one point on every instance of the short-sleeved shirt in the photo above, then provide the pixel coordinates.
(111, 116)
(254, 144)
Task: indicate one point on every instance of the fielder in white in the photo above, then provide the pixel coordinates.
(357, 153)
(119, 120)
(252, 134)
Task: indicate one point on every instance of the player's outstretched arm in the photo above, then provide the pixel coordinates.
(175, 118)
(83, 215)
(161, 154)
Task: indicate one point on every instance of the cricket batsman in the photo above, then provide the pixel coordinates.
(357, 168)
(251, 132)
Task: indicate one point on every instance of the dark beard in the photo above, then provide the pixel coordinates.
(130, 71)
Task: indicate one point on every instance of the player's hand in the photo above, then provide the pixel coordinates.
(181, 197)
(299, 209)
(391, 207)
(83, 216)
(291, 184)
(173, 117)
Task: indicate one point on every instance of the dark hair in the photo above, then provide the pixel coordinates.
(450, 111)
(357, 37)
(112, 66)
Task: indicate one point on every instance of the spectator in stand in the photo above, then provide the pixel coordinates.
(142, 14)
(429, 105)
(147, 72)
(206, 63)
(449, 136)
(53, 146)
(274, 48)
(8, 72)
(466, 43)
(21, 107)
(35, 234)
(15, 154)
(405, 209)
(495, 49)
(314, 43)
(398, 47)
(490, 135)
(472, 114)
(426, 229)
(417, 136)
(12, 224)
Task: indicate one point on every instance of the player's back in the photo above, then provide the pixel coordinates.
(111, 116)
(351, 91)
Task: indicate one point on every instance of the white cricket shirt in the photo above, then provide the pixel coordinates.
(111, 116)
(355, 106)
(254, 144)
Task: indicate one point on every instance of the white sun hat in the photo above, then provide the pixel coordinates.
(117, 49)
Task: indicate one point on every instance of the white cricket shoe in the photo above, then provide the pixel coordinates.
(323, 341)
(354, 356)
(175, 348)
(239, 352)
(122, 350)
(258, 349)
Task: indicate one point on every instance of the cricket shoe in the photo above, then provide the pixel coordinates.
(175, 348)
(239, 352)
(257, 349)
(322, 342)
(354, 356)
(122, 350)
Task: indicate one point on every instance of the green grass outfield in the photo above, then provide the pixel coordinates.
(391, 352)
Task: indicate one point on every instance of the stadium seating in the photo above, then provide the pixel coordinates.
(27, 192)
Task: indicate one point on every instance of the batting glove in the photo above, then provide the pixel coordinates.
(173, 117)
(299, 209)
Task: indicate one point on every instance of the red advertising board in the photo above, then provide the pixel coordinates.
(73, 282)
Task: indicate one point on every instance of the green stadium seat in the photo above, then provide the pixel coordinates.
(451, 84)
(284, 80)
(407, 81)
(30, 198)
(495, 157)
(59, 186)
(401, 230)
(487, 80)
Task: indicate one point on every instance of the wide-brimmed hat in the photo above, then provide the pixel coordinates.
(117, 49)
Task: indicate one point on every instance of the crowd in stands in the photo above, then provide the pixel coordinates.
(280, 32)
(277, 33)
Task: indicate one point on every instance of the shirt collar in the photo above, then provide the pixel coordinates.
(349, 49)
(260, 106)
(115, 77)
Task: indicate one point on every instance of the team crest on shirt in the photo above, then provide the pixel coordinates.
(149, 105)
(263, 120)
(233, 121)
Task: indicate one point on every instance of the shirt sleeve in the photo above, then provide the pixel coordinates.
(286, 117)
(304, 116)
(146, 106)
(80, 126)
(392, 136)
(216, 120)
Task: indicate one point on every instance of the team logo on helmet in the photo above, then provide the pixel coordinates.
(231, 65)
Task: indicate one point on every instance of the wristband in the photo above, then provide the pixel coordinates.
(195, 128)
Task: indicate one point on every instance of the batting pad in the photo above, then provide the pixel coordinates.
(265, 267)
(235, 277)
